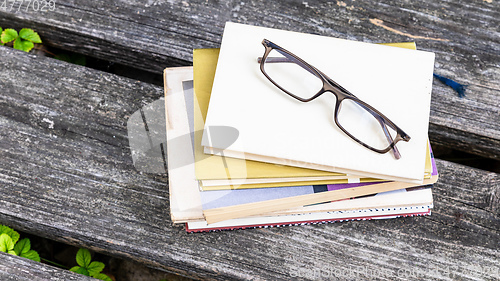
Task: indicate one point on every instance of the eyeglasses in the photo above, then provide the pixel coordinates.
(357, 119)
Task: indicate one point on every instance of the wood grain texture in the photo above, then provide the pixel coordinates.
(13, 268)
(66, 174)
(155, 34)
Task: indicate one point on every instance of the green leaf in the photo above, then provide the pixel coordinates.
(102, 276)
(95, 267)
(83, 271)
(30, 35)
(23, 45)
(1, 43)
(31, 254)
(6, 244)
(8, 35)
(83, 258)
(14, 235)
(22, 246)
(74, 268)
(80, 270)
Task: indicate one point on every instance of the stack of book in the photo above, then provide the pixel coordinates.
(243, 154)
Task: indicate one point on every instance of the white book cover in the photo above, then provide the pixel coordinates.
(185, 201)
(276, 128)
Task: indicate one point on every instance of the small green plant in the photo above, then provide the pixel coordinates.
(87, 267)
(24, 40)
(9, 243)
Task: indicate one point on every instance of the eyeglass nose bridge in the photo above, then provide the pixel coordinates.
(338, 93)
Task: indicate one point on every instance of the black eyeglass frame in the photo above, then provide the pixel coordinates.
(340, 93)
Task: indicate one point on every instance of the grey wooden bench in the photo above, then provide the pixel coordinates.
(16, 268)
(66, 170)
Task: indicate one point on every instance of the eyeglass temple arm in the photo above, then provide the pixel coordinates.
(283, 59)
(395, 149)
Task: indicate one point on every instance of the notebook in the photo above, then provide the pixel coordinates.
(277, 129)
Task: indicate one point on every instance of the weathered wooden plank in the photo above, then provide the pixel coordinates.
(13, 268)
(66, 174)
(155, 34)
